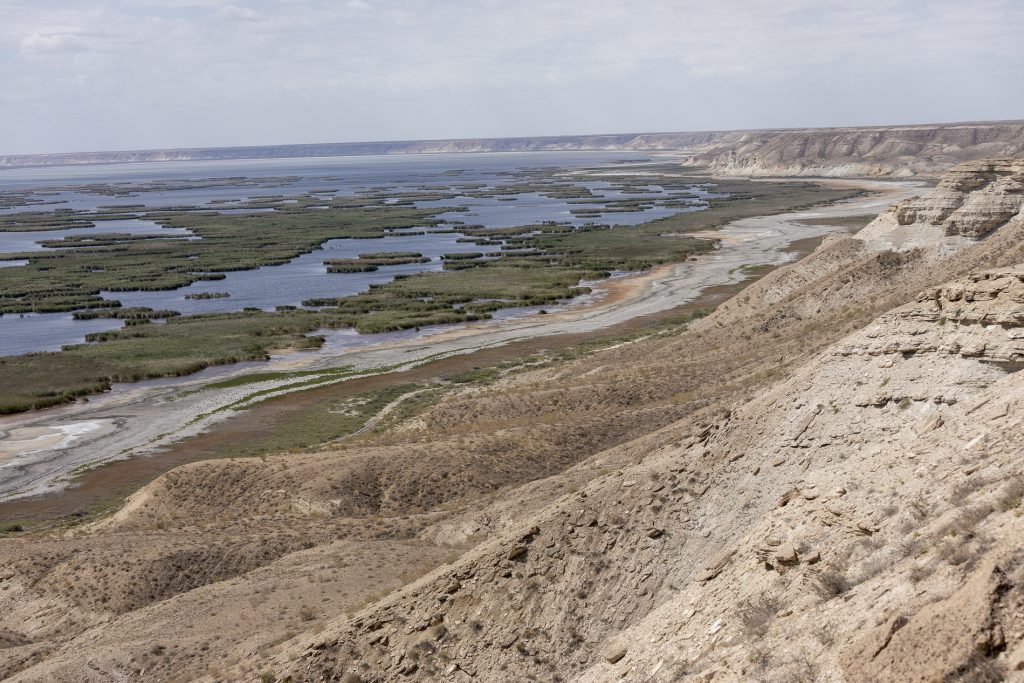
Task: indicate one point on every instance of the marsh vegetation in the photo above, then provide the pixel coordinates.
(532, 264)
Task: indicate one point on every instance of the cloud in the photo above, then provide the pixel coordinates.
(314, 70)
(52, 43)
(177, 4)
(235, 13)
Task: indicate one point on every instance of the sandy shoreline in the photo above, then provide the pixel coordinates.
(21, 441)
(139, 419)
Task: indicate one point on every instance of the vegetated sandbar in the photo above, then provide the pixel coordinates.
(556, 259)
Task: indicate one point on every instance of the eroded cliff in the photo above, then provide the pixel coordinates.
(896, 151)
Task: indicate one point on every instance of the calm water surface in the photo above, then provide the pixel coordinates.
(156, 185)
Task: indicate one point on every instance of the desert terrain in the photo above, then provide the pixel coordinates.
(802, 484)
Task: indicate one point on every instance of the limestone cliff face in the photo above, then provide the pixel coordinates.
(860, 506)
(970, 201)
(897, 151)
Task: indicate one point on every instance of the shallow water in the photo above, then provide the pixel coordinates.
(46, 331)
(305, 277)
(346, 175)
(14, 242)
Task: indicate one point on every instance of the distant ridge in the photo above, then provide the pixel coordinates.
(626, 141)
(908, 150)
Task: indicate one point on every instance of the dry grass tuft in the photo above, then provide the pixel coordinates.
(832, 582)
(756, 614)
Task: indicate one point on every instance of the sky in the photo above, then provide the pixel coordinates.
(81, 75)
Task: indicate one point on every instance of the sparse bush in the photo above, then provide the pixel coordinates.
(756, 614)
(425, 645)
(872, 542)
(970, 517)
(959, 554)
(1011, 495)
(966, 488)
(920, 572)
(906, 547)
(831, 582)
(946, 549)
(760, 657)
(919, 508)
(872, 567)
(802, 668)
(826, 636)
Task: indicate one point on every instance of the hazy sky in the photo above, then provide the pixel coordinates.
(80, 75)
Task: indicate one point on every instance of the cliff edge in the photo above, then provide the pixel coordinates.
(896, 151)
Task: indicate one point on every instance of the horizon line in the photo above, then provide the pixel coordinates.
(9, 161)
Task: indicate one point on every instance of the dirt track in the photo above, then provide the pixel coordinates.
(139, 419)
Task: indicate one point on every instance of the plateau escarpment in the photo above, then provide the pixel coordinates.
(894, 151)
(566, 143)
(821, 480)
(882, 151)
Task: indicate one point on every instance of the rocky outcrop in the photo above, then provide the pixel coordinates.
(969, 202)
(896, 151)
(981, 317)
(867, 513)
(932, 646)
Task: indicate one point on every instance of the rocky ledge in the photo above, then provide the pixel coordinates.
(969, 202)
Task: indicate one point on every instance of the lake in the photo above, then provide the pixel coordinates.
(223, 185)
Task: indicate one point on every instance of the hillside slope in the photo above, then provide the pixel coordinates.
(803, 485)
(767, 540)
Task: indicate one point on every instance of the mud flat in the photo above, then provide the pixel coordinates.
(142, 419)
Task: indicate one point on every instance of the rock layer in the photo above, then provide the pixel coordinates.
(969, 202)
(897, 151)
